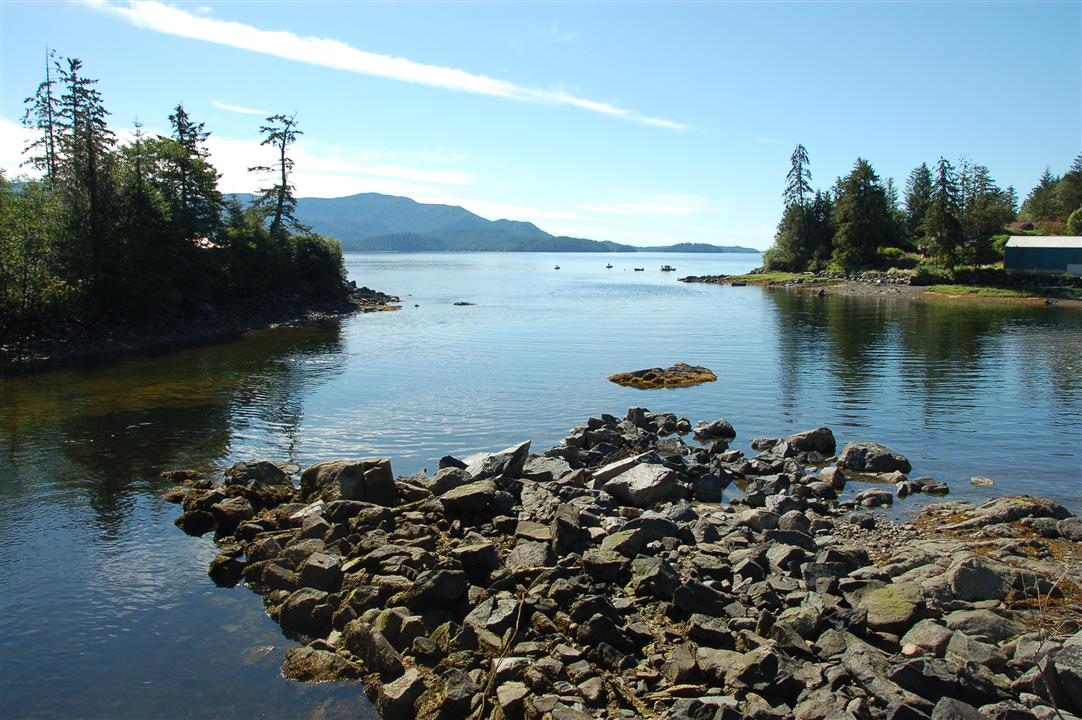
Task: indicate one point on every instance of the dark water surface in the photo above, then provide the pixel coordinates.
(105, 607)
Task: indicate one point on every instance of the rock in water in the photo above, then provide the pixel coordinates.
(679, 375)
(367, 480)
(872, 458)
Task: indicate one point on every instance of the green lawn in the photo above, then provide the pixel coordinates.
(998, 292)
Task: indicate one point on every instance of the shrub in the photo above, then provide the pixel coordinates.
(1051, 227)
(999, 242)
(930, 274)
(1074, 222)
(319, 266)
(892, 257)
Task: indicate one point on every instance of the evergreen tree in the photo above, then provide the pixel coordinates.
(41, 115)
(1070, 189)
(918, 197)
(278, 201)
(1042, 203)
(862, 218)
(798, 179)
(942, 228)
(988, 209)
(192, 180)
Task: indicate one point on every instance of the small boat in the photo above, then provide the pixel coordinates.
(609, 266)
(557, 267)
(639, 269)
(667, 268)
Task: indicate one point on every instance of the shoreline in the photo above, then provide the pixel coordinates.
(83, 344)
(879, 286)
(607, 577)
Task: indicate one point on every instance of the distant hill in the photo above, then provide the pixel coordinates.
(375, 222)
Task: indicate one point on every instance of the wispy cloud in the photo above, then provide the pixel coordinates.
(237, 108)
(562, 34)
(160, 17)
(772, 141)
(662, 204)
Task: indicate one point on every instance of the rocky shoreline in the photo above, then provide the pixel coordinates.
(875, 284)
(604, 578)
(74, 344)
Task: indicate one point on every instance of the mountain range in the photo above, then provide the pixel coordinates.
(376, 222)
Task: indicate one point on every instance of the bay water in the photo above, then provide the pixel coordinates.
(105, 607)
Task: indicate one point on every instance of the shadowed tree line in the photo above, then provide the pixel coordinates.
(138, 232)
(950, 216)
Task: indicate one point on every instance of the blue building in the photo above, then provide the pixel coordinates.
(1056, 254)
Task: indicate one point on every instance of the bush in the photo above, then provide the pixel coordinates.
(1051, 227)
(319, 266)
(999, 243)
(929, 274)
(892, 257)
(1074, 222)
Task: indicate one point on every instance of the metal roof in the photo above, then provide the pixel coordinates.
(1045, 241)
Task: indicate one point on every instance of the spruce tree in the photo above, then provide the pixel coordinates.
(278, 201)
(41, 115)
(1042, 203)
(942, 228)
(918, 196)
(862, 218)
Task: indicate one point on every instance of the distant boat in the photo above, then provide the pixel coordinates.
(639, 269)
(667, 268)
(557, 267)
(609, 266)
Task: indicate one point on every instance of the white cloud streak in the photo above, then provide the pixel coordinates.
(160, 17)
(237, 108)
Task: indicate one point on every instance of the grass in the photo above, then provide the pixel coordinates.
(1000, 292)
(770, 278)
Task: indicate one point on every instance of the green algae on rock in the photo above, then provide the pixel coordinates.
(679, 375)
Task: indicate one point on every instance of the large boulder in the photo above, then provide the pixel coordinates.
(509, 461)
(472, 497)
(820, 439)
(975, 578)
(309, 664)
(872, 458)
(368, 480)
(719, 429)
(643, 485)
(373, 649)
(256, 475)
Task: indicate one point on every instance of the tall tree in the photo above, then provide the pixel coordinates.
(41, 116)
(191, 180)
(86, 143)
(918, 196)
(862, 218)
(941, 227)
(798, 180)
(278, 201)
(1042, 203)
(985, 213)
(1070, 188)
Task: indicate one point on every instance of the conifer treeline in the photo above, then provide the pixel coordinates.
(139, 230)
(950, 216)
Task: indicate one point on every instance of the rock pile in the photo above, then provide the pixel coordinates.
(602, 579)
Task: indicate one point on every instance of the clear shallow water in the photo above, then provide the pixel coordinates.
(105, 607)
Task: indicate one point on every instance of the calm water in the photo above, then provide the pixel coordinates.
(105, 607)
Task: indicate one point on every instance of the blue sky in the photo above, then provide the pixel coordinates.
(646, 123)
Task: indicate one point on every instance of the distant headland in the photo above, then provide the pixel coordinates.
(390, 223)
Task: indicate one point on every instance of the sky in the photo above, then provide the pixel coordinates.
(646, 123)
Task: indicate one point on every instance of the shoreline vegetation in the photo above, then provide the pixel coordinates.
(131, 245)
(607, 578)
(950, 228)
(996, 287)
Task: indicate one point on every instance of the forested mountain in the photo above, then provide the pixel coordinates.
(371, 221)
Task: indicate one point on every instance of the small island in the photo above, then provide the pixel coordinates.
(678, 376)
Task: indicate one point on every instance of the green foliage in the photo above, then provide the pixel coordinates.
(1070, 189)
(1043, 202)
(999, 245)
(135, 233)
(892, 257)
(918, 198)
(862, 217)
(930, 274)
(942, 228)
(1074, 222)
